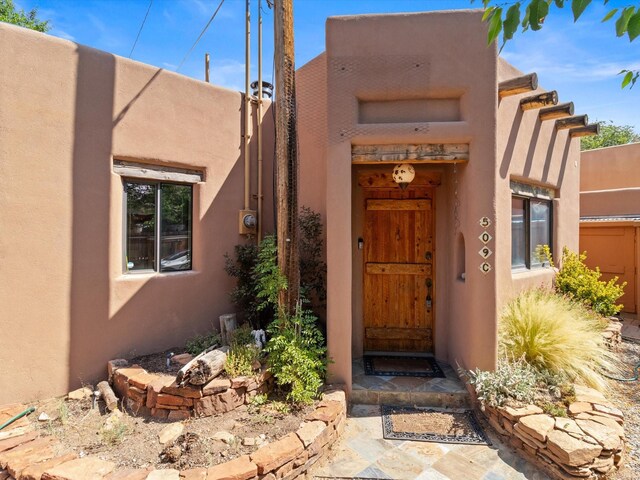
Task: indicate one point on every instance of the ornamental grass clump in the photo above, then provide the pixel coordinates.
(555, 334)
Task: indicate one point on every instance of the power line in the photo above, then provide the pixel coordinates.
(199, 36)
(141, 27)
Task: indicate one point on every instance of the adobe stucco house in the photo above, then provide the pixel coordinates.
(93, 147)
(610, 215)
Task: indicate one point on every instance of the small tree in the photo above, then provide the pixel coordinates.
(10, 14)
(610, 135)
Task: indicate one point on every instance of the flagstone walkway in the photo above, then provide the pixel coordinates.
(362, 453)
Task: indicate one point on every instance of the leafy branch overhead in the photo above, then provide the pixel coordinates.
(507, 20)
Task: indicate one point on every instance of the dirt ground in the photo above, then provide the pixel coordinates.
(133, 441)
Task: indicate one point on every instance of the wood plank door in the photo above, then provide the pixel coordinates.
(613, 251)
(398, 271)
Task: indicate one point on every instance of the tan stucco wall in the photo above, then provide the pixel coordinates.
(428, 58)
(533, 152)
(610, 187)
(610, 181)
(65, 111)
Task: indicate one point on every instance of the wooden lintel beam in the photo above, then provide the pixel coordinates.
(557, 111)
(591, 129)
(543, 99)
(571, 122)
(517, 85)
(409, 153)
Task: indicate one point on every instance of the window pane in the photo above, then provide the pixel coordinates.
(141, 226)
(518, 233)
(175, 227)
(540, 228)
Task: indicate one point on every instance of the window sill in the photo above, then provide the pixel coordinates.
(532, 272)
(148, 274)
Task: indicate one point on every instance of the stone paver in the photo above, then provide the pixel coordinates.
(630, 326)
(362, 452)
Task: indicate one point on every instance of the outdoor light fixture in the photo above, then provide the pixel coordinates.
(403, 174)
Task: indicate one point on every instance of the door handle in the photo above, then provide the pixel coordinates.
(429, 284)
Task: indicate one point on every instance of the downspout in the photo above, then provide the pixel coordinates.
(247, 110)
(259, 236)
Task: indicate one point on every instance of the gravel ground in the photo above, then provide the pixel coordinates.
(626, 396)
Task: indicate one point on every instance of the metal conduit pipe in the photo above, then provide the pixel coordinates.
(259, 236)
(247, 110)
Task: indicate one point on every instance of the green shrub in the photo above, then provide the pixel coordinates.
(313, 269)
(510, 380)
(242, 353)
(555, 334)
(245, 293)
(583, 284)
(518, 381)
(199, 343)
(297, 355)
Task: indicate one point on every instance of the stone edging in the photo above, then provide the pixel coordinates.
(286, 458)
(589, 443)
(148, 394)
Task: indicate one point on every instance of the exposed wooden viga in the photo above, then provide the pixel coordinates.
(572, 122)
(591, 129)
(410, 153)
(557, 111)
(543, 99)
(514, 86)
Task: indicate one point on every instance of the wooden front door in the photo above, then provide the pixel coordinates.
(398, 270)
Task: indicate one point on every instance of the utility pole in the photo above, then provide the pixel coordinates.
(286, 154)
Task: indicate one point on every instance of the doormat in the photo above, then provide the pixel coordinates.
(432, 425)
(398, 366)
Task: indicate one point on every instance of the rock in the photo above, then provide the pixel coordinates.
(274, 455)
(188, 392)
(570, 450)
(256, 365)
(142, 380)
(239, 382)
(579, 407)
(309, 431)
(35, 471)
(129, 474)
(604, 420)
(178, 415)
(169, 433)
(538, 426)
(80, 393)
(604, 435)
(199, 473)
(568, 425)
(87, 468)
(586, 394)
(12, 442)
(43, 417)
(181, 359)
(225, 437)
(242, 468)
(335, 395)
(164, 474)
(609, 410)
(327, 412)
(220, 402)
(113, 365)
(216, 385)
(248, 441)
(164, 399)
(514, 414)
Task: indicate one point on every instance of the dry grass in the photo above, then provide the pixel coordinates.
(556, 334)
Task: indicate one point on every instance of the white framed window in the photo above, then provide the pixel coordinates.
(531, 224)
(158, 226)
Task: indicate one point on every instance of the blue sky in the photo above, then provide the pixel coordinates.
(579, 60)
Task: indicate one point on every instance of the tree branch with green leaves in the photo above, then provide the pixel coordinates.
(507, 21)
